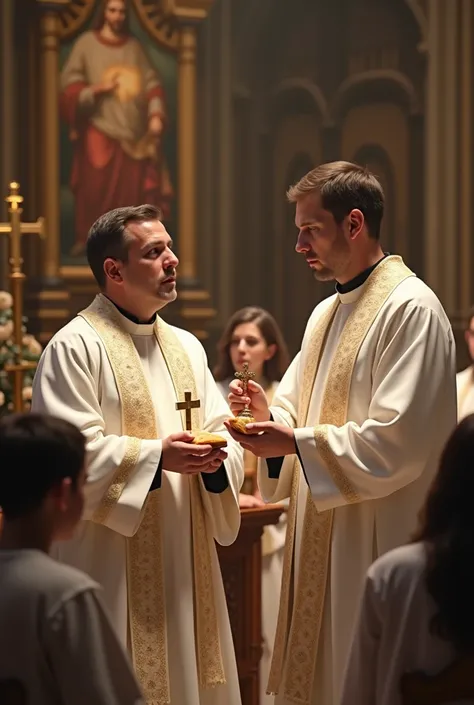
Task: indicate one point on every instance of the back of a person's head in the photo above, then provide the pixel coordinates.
(447, 528)
(37, 453)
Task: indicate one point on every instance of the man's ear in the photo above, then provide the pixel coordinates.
(112, 270)
(356, 223)
(60, 493)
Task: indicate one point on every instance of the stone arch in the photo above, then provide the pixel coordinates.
(299, 95)
(375, 85)
(420, 15)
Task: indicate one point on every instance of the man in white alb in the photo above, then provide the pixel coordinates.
(465, 378)
(155, 502)
(355, 427)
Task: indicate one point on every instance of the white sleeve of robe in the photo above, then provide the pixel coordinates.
(411, 381)
(360, 681)
(222, 509)
(283, 410)
(66, 386)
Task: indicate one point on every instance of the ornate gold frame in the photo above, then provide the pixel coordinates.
(173, 24)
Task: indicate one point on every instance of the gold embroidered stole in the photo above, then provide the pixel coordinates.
(300, 615)
(146, 592)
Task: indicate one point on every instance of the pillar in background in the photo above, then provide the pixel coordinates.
(449, 154)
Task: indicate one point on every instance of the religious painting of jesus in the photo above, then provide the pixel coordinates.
(114, 107)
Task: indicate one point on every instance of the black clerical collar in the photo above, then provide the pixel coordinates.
(359, 279)
(133, 318)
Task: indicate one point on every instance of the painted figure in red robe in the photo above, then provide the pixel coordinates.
(113, 102)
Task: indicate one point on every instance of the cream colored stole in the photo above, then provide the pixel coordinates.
(146, 595)
(300, 614)
(465, 391)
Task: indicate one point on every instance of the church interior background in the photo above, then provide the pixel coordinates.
(257, 93)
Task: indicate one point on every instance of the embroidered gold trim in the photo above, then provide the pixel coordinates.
(301, 644)
(144, 550)
(112, 496)
(147, 608)
(316, 346)
(333, 466)
(209, 655)
(146, 602)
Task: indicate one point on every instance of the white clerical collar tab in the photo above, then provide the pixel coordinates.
(351, 297)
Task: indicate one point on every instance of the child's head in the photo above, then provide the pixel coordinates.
(42, 472)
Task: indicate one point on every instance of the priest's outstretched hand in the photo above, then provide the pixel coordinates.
(255, 398)
(180, 455)
(265, 438)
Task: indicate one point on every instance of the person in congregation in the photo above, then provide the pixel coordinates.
(415, 629)
(252, 335)
(156, 502)
(355, 429)
(465, 379)
(57, 644)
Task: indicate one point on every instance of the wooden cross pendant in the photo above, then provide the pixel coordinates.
(186, 406)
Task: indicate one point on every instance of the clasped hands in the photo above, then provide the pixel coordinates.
(180, 455)
(267, 439)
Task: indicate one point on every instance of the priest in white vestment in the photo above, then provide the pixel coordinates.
(155, 502)
(465, 378)
(355, 428)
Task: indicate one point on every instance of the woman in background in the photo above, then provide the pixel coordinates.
(253, 336)
(414, 641)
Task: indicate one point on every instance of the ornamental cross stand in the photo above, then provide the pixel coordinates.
(244, 377)
(15, 229)
(186, 406)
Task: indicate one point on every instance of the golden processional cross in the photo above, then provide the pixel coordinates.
(244, 377)
(187, 405)
(15, 229)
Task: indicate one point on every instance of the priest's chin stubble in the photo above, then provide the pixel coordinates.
(324, 275)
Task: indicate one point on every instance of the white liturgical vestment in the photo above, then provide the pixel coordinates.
(84, 378)
(372, 398)
(465, 388)
(273, 542)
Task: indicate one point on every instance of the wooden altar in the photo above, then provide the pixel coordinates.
(241, 566)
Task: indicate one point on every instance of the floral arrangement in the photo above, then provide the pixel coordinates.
(31, 352)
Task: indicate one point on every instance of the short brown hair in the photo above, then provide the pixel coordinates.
(108, 236)
(273, 369)
(47, 449)
(344, 186)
